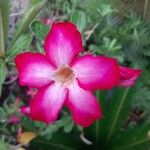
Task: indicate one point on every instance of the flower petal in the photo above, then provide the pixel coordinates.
(63, 43)
(83, 105)
(97, 72)
(128, 76)
(34, 69)
(47, 103)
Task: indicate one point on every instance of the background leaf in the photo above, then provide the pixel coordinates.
(18, 46)
(79, 18)
(39, 29)
(3, 71)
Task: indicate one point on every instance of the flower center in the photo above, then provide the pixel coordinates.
(64, 74)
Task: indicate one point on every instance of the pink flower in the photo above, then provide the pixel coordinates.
(64, 78)
(128, 76)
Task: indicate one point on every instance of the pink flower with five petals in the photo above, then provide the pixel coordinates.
(64, 78)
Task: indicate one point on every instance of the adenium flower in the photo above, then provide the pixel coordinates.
(64, 78)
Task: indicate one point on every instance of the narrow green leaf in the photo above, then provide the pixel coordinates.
(3, 115)
(115, 106)
(39, 29)
(3, 71)
(18, 46)
(79, 18)
(95, 132)
(33, 10)
(2, 49)
(117, 113)
(5, 9)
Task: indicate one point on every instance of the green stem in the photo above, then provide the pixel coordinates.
(145, 9)
(117, 113)
(2, 49)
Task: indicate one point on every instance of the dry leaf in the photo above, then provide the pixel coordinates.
(26, 137)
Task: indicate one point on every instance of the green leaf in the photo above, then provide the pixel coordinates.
(95, 132)
(118, 110)
(18, 46)
(3, 145)
(49, 131)
(115, 105)
(3, 71)
(66, 122)
(34, 8)
(63, 121)
(3, 115)
(69, 126)
(79, 18)
(5, 9)
(39, 47)
(39, 29)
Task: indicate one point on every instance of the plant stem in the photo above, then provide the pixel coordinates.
(2, 51)
(145, 9)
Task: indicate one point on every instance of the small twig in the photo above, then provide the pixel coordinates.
(90, 32)
(85, 140)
